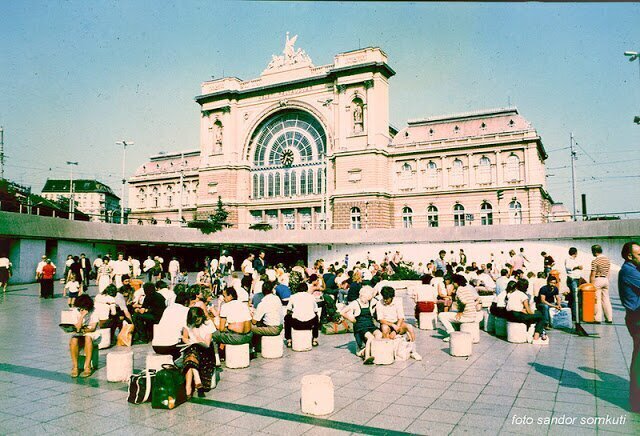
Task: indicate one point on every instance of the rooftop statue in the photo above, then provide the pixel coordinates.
(291, 57)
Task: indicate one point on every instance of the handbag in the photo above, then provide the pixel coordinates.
(125, 335)
(403, 349)
(141, 387)
(169, 388)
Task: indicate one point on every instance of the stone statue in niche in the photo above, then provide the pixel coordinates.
(217, 137)
(358, 116)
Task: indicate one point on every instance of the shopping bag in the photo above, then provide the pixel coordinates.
(141, 387)
(560, 319)
(125, 335)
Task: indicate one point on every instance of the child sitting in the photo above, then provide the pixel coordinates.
(391, 317)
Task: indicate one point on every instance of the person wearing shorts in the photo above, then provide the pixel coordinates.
(359, 312)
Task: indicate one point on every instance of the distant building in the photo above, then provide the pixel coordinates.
(304, 146)
(91, 197)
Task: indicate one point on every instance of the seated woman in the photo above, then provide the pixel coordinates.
(518, 310)
(105, 306)
(302, 313)
(499, 306)
(199, 358)
(425, 297)
(148, 314)
(234, 327)
(267, 318)
(84, 335)
(359, 312)
(168, 333)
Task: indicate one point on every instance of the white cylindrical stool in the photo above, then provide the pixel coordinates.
(382, 351)
(316, 396)
(516, 332)
(237, 356)
(501, 327)
(490, 323)
(428, 320)
(460, 344)
(473, 328)
(272, 347)
(301, 340)
(155, 361)
(119, 366)
(105, 338)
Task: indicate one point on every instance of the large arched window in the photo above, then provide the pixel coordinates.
(432, 216)
(457, 173)
(458, 215)
(515, 212)
(155, 197)
(512, 169)
(407, 217)
(261, 188)
(486, 214)
(356, 218)
(432, 175)
(484, 171)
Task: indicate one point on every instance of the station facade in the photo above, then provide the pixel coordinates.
(304, 147)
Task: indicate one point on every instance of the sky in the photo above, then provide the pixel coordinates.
(78, 76)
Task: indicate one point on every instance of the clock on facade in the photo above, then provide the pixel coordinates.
(287, 157)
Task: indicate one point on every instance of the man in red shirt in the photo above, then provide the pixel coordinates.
(46, 280)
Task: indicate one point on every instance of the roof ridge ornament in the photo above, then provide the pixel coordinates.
(291, 58)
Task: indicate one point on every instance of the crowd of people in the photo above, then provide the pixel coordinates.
(229, 307)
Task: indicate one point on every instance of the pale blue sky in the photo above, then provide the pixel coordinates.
(77, 76)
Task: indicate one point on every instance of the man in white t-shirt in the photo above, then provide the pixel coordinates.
(135, 266)
(267, 318)
(147, 267)
(235, 321)
(519, 310)
(390, 314)
(168, 294)
(167, 333)
(174, 270)
(466, 296)
(302, 314)
(120, 267)
(247, 271)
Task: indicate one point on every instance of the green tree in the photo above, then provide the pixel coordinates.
(215, 222)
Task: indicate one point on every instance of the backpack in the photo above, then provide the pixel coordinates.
(141, 387)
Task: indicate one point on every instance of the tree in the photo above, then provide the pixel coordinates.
(215, 222)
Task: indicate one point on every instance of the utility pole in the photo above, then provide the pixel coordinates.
(181, 188)
(124, 144)
(573, 175)
(1, 153)
(71, 202)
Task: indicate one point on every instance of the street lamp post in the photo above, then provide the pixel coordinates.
(634, 56)
(124, 144)
(71, 202)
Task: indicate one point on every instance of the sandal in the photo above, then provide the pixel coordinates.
(86, 373)
(314, 343)
(75, 372)
(289, 343)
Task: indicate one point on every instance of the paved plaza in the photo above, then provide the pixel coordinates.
(502, 388)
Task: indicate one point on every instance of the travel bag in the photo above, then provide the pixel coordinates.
(169, 388)
(141, 387)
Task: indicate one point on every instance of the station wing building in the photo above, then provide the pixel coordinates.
(301, 143)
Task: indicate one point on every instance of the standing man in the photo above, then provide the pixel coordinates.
(573, 268)
(85, 269)
(148, 266)
(135, 267)
(46, 279)
(599, 277)
(97, 264)
(174, 269)
(629, 288)
(440, 263)
(5, 272)
(120, 268)
(549, 263)
(247, 271)
(259, 266)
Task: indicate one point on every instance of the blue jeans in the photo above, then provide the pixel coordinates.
(544, 309)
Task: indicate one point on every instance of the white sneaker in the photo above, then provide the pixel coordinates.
(416, 356)
(447, 339)
(360, 353)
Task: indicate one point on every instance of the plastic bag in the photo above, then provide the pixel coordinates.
(560, 319)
